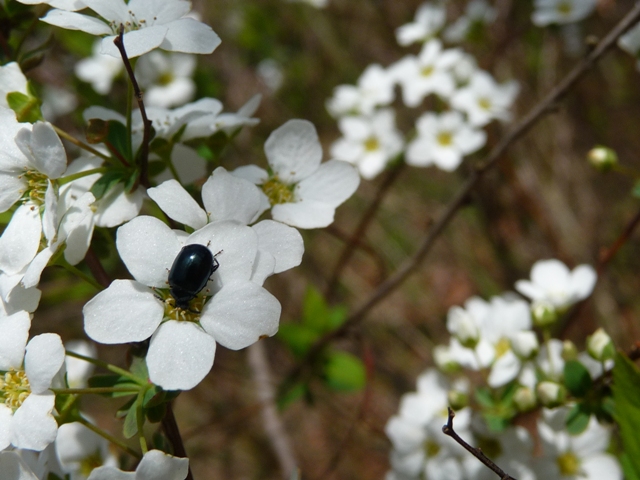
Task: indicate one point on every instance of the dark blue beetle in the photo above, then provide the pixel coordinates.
(190, 273)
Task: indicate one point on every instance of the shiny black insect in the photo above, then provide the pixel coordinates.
(190, 272)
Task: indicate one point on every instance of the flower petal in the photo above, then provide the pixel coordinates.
(15, 332)
(11, 188)
(294, 151)
(240, 314)
(43, 148)
(228, 197)
(12, 466)
(125, 312)
(190, 36)
(180, 355)
(43, 359)
(76, 21)
(33, 426)
(20, 240)
(253, 173)
(6, 418)
(148, 248)
(332, 183)
(304, 214)
(283, 242)
(136, 42)
(176, 202)
(159, 465)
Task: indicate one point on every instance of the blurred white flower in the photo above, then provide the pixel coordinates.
(630, 42)
(374, 89)
(57, 102)
(575, 457)
(483, 100)
(99, 69)
(11, 80)
(369, 142)
(443, 140)
(313, 3)
(166, 78)
(561, 11)
(80, 450)
(429, 20)
(12, 464)
(270, 72)
(429, 72)
(552, 282)
(79, 371)
(477, 13)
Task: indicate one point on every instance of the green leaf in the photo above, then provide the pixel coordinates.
(496, 423)
(298, 338)
(156, 413)
(105, 183)
(578, 419)
(113, 381)
(314, 310)
(112, 133)
(635, 192)
(577, 378)
(27, 107)
(484, 397)
(139, 368)
(130, 427)
(291, 395)
(344, 372)
(628, 468)
(626, 394)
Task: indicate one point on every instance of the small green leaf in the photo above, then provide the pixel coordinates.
(139, 368)
(153, 397)
(626, 394)
(291, 395)
(495, 423)
(577, 378)
(105, 183)
(314, 311)
(484, 397)
(578, 419)
(27, 107)
(156, 413)
(298, 338)
(628, 468)
(130, 427)
(344, 372)
(635, 192)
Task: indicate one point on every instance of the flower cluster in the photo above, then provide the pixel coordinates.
(500, 339)
(467, 97)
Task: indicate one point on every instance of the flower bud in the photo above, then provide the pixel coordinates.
(602, 158)
(444, 360)
(550, 394)
(525, 344)
(457, 399)
(463, 327)
(569, 351)
(600, 346)
(525, 399)
(543, 313)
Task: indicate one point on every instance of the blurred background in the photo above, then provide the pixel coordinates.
(542, 201)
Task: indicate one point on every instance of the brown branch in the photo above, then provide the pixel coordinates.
(546, 105)
(96, 268)
(170, 428)
(273, 426)
(476, 452)
(146, 124)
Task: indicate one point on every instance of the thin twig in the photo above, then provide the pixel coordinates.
(356, 236)
(476, 452)
(273, 426)
(146, 124)
(546, 105)
(170, 428)
(96, 268)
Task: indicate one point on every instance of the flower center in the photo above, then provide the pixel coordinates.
(431, 448)
(91, 461)
(427, 71)
(445, 139)
(37, 184)
(371, 144)
(502, 347)
(564, 8)
(568, 464)
(165, 78)
(14, 388)
(171, 312)
(277, 191)
(484, 103)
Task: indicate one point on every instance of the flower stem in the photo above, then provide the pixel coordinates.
(107, 436)
(80, 144)
(93, 390)
(80, 274)
(108, 366)
(85, 173)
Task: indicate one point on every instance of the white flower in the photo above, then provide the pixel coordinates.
(600, 346)
(11, 464)
(99, 70)
(429, 20)
(30, 156)
(429, 72)
(375, 88)
(550, 394)
(57, 102)
(477, 12)
(302, 191)
(231, 310)
(79, 371)
(370, 143)
(28, 370)
(552, 282)
(575, 457)
(11, 80)
(442, 140)
(630, 42)
(227, 197)
(271, 74)
(70, 5)
(313, 3)
(155, 465)
(166, 78)
(484, 100)
(80, 450)
(148, 24)
(561, 11)
(416, 432)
